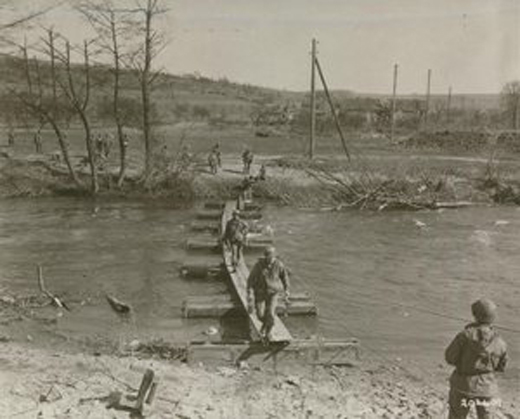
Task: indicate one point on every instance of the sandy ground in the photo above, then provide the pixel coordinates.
(40, 384)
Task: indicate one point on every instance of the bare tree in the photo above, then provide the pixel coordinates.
(80, 104)
(45, 110)
(141, 60)
(20, 14)
(78, 95)
(510, 101)
(113, 26)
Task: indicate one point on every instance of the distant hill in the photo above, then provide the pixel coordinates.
(197, 98)
(176, 98)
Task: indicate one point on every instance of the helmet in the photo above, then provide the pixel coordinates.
(269, 251)
(484, 311)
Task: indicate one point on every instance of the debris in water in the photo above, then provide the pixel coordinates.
(501, 223)
(212, 331)
(419, 223)
(41, 284)
(268, 230)
(117, 305)
(482, 237)
(134, 345)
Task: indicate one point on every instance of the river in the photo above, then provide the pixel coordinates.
(398, 281)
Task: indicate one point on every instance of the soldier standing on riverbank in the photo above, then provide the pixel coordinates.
(266, 282)
(37, 142)
(218, 155)
(10, 138)
(107, 144)
(476, 353)
(213, 164)
(98, 141)
(215, 159)
(262, 173)
(235, 236)
(247, 160)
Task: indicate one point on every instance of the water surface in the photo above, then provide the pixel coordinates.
(398, 281)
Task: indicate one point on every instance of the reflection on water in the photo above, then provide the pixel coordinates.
(378, 276)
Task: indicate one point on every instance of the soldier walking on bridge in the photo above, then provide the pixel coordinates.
(266, 282)
(476, 353)
(235, 236)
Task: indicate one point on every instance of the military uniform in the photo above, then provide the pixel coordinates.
(266, 282)
(235, 237)
(476, 353)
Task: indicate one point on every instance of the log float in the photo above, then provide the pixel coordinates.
(216, 215)
(209, 226)
(205, 226)
(238, 278)
(219, 205)
(300, 304)
(201, 271)
(282, 348)
(211, 244)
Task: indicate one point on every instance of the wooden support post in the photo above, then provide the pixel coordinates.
(145, 390)
(333, 110)
(313, 101)
(394, 98)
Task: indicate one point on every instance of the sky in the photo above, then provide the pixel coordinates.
(471, 45)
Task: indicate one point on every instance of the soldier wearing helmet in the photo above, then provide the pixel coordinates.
(266, 282)
(476, 353)
(235, 236)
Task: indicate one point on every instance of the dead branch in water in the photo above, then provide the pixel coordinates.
(41, 284)
(371, 193)
(118, 306)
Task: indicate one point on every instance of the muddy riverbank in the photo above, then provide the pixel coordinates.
(374, 182)
(49, 384)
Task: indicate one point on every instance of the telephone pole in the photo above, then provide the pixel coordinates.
(394, 92)
(428, 91)
(448, 108)
(313, 100)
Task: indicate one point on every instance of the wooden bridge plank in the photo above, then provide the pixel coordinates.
(238, 277)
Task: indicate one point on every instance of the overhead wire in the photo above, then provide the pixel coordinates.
(431, 312)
